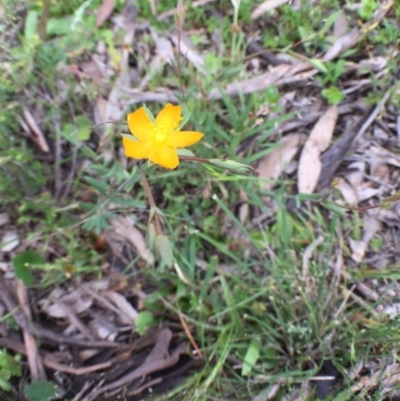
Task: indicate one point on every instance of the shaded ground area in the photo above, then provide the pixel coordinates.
(211, 281)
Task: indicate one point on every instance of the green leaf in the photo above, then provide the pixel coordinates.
(97, 223)
(31, 25)
(284, 225)
(334, 208)
(4, 384)
(96, 184)
(229, 73)
(24, 262)
(83, 122)
(308, 197)
(164, 250)
(9, 367)
(134, 178)
(232, 165)
(76, 133)
(67, 130)
(252, 354)
(319, 65)
(184, 152)
(333, 95)
(143, 322)
(149, 113)
(129, 136)
(184, 120)
(40, 390)
(58, 26)
(331, 20)
(128, 201)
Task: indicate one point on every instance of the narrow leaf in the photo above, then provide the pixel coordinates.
(149, 113)
(251, 356)
(164, 250)
(184, 120)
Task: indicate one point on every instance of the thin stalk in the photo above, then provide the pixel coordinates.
(151, 202)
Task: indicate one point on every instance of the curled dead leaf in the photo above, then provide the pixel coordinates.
(273, 164)
(318, 141)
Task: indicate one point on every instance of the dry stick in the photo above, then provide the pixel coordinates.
(50, 362)
(82, 391)
(57, 163)
(32, 352)
(151, 201)
(189, 334)
(180, 12)
(43, 20)
(75, 148)
(142, 371)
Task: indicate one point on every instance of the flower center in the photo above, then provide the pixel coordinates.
(160, 135)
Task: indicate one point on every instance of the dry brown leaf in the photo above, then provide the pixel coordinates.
(9, 241)
(267, 6)
(279, 75)
(272, 164)
(104, 11)
(78, 300)
(341, 25)
(164, 54)
(172, 12)
(4, 219)
(187, 50)
(103, 327)
(35, 131)
(124, 227)
(371, 226)
(347, 190)
(129, 313)
(318, 141)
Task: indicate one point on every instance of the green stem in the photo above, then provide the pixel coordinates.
(149, 194)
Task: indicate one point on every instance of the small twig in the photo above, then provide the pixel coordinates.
(72, 171)
(43, 20)
(32, 352)
(50, 362)
(361, 208)
(189, 334)
(398, 129)
(82, 391)
(71, 174)
(373, 115)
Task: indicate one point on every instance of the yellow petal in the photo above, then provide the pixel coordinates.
(137, 150)
(181, 139)
(165, 156)
(140, 125)
(168, 118)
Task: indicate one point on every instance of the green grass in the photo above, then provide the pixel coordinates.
(256, 317)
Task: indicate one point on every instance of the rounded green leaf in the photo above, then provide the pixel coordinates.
(164, 250)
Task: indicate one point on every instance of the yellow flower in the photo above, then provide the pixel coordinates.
(158, 141)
